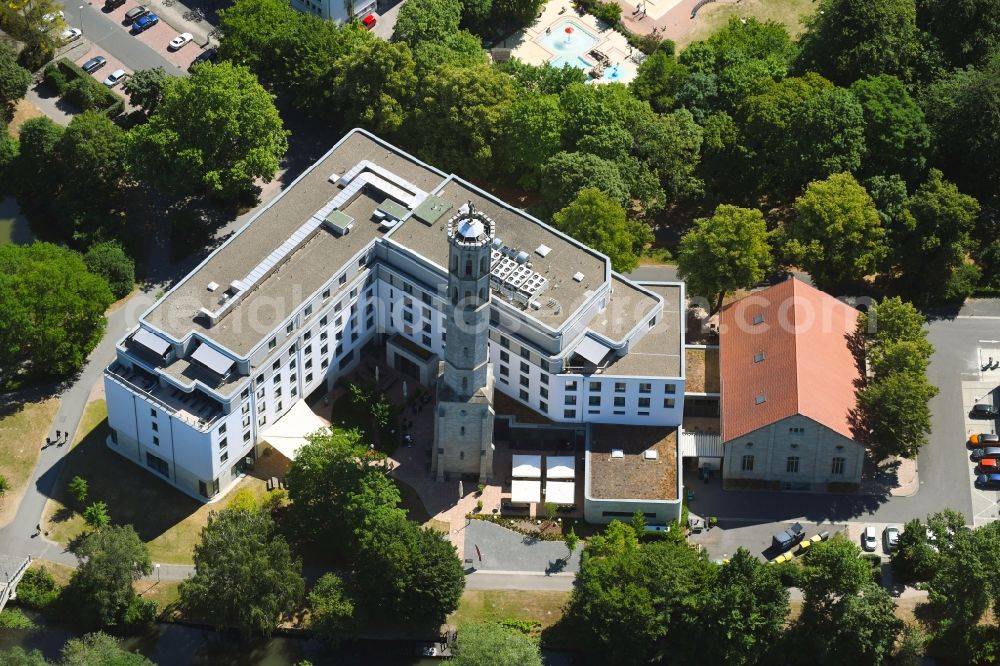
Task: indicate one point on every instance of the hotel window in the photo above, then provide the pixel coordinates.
(260, 393)
(370, 322)
(276, 365)
(426, 298)
(277, 408)
(222, 429)
(545, 379)
(504, 371)
(262, 419)
(277, 379)
(156, 427)
(294, 391)
(289, 327)
(342, 279)
(326, 294)
(407, 317)
(792, 464)
(223, 443)
(245, 394)
(426, 339)
(261, 407)
(152, 412)
(670, 389)
(323, 336)
(525, 353)
(525, 381)
(369, 309)
(645, 388)
(668, 403)
(272, 343)
(246, 436)
(309, 363)
(595, 386)
(246, 421)
(543, 406)
(619, 387)
(504, 342)
(644, 403)
(354, 293)
(291, 366)
(524, 395)
(324, 349)
(570, 400)
(156, 441)
(525, 367)
(324, 320)
(569, 413)
(260, 380)
(308, 311)
(277, 393)
(408, 288)
(426, 313)
(307, 336)
(157, 464)
(246, 408)
(224, 457)
(746, 464)
(354, 336)
(504, 356)
(594, 401)
(325, 364)
(838, 466)
(426, 328)
(337, 308)
(571, 386)
(619, 402)
(544, 392)
(338, 351)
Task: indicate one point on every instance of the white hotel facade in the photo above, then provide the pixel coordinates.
(351, 260)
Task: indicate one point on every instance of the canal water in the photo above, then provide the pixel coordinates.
(13, 224)
(177, 645)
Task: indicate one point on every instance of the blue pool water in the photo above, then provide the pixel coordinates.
(612, 73)
(574, 61)
(570, 46)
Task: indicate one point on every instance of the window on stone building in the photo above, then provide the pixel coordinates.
(838, 466)
(792, 464)
(746, 464)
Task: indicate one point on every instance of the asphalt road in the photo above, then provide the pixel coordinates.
(115, 39)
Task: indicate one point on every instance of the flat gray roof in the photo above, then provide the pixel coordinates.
(658, 354)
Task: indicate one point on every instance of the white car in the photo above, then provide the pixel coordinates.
(114, 78)
(70, 35)
(891, 538)
(869, 541)
(180, 41)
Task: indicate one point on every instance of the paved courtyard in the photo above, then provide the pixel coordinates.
(501, 549)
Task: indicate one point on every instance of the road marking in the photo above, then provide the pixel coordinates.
(977, 317)
(501, 572)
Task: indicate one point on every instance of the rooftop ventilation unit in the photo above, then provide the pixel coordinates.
(649, 454)
(521, 257)
(578, 276)
(212, 286)
(617, 453)
(543, 250)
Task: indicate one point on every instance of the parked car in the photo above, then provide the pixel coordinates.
(144, 23)
(94, 64)
(135, 13)
(988, 465)
(112, 4)
(810, 542)
(369, 21)
(890, 538)
(988, 481)
(983, 411)
(785, 540)
(70, 35)
(208, 55)
(114, 78)
(988, 452)
(983, 439)
(180, 41)
(869, 541)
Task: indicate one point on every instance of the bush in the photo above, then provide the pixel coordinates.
(140, 612)
(274, 499)
(609, 12)
(11, 618)
(54, 78)
(85, 93)
(96, 515)
(111, 262)
(4, 485)
(78, 489)
(37, 589)
(789, 573)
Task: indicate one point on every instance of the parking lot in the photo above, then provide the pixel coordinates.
(979, 386)
(156, 37)
(722, 541)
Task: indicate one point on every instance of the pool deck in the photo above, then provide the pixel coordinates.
(528, 45)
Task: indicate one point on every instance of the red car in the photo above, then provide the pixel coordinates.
(989, 465)
(369, 21)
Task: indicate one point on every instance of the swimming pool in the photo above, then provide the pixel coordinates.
(574, 61)
(571, 44)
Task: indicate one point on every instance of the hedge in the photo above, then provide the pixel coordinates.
(79, 88)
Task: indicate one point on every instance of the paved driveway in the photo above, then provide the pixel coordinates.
(501, 549)
(103, 73)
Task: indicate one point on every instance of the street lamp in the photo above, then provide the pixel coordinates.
(157, 567)
(81, 17)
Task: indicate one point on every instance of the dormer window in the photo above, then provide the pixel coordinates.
(758, 357)
(758, 319)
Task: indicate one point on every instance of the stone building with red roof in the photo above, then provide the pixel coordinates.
(788, 388)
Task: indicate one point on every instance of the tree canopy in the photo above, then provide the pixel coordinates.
(427, 21)
(245, 576)
(110, 261)
(111, 559)
(14, 81)
(53, 310)
(216, 131)
(145, 88)
(598, 221)
(490, 643)
(331, 611)
(725, 252)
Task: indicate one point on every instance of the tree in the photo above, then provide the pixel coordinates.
(99, 649)
(334, 491)
(836, 234)
(899, 356)
(599, 222)
(408, 573)
(459, 49)
(963, 110)
(912, 644)
(458, 116)
(617, 539)
(245, 576)
(18, 656)
(934, 250)
(846, 617)
(146, 88)
(8, 155)
(566, 175)
(895, 411)
(636, 605)
(658, 81)
(255, 32)
(893, 320)
(544, 79)
(897, 138)
(93, 182)
(725, 252)
(914, 559)
(111, 559)
(78, 489)
(111, 262)
(848, 40)
(509, 14)
(331, 612)
(529, 132)
(36, 166)
(375, 82)
(216, 130)
(96, 515)
(745, 614)
(489, 643)
(427, 21)
(53, 310)
(571, 540)
(966, 32)
(14, 81)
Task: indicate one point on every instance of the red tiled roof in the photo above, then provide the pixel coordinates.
(808, 367)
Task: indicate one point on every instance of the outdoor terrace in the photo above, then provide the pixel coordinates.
(195, 409)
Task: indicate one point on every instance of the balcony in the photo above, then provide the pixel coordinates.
(194, 409)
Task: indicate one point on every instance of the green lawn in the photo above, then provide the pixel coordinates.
(22, 433)
(545, 608)
(713, 16)
(166, 519)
